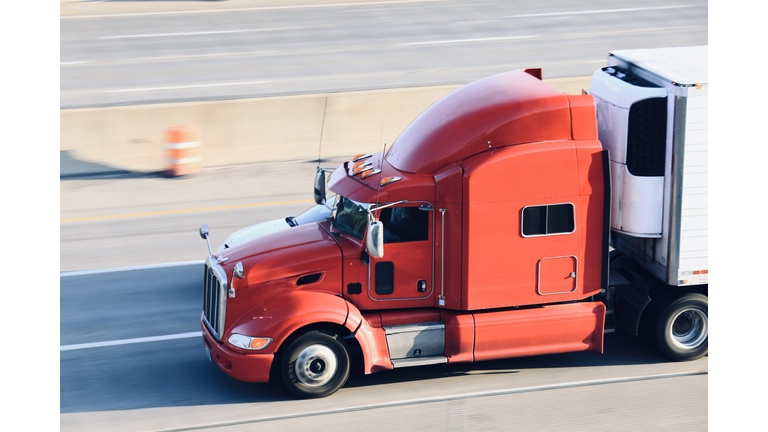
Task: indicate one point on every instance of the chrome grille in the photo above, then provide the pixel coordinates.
(214, 298)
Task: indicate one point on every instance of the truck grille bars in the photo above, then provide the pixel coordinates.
(214, 297)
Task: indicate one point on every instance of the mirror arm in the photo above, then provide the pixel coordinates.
(387, 205)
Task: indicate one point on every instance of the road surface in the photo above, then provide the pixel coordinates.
(240, 49)
(132, 359)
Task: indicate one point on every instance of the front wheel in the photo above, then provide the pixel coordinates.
(315, 365)
(682, 331)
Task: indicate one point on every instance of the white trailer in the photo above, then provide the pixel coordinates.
(652, 117)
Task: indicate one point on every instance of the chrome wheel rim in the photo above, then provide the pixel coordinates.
(689, 328)
(316, 365)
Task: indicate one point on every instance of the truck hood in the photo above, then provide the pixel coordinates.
(315, 213)
(286, 254)
(254, 231)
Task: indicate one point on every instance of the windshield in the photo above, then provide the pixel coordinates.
(350, 217)
(315, 213)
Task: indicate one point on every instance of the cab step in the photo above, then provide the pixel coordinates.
(419, 361)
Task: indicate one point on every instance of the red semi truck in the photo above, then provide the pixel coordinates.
(507, 220)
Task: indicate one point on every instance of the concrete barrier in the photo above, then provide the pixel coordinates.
(131, 138)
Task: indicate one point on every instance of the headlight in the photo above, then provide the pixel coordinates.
(249, 343)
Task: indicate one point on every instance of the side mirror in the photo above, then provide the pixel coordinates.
(320, 186)
(238, 270)
(204, 235)
(374, 242)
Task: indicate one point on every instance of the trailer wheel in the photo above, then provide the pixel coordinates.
(315, 365)
(682, 331)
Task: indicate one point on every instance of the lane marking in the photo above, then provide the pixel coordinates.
(436, 399)
(570, 35)
(184, 87)
(198, 33)
(601, 11)
(164, 212)
(176, 57)
(130, 341)
(469, 40)
(252, 9)
(619, 32)
(120, 269)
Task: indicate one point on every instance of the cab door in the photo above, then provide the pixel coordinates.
(405, 272)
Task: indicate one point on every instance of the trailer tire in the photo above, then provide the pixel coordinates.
(682, 330)
(315, 365)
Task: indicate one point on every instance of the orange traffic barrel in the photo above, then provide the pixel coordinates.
(183, 148)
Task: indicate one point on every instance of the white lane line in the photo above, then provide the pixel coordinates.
(129, 341)
(600, 11)
(120, 269)
(173, 57)
(469, 40)
(266, 8)
(569, 35)
(188, 56)
(184, 87)
(198, 33)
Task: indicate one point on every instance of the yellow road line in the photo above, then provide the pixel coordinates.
(183, 211)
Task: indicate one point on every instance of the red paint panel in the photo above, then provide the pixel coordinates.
(282, 315)
(372, 340)
(505, 109)
(274, 263)
(448, 195)
(557, 275)
(591, 215)
(411, 187)
(409, 316)
(500, 268)
(412, 263)
(459, 336)
(583, 117)
(243, 367)
(544, 330)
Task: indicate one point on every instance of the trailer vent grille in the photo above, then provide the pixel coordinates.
(214, 301)
(647, 137)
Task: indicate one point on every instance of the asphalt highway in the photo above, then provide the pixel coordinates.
(132, 359)
(242, 49)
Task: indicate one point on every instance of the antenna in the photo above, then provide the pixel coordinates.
(381, 170)
(381, 162)
(322, 126)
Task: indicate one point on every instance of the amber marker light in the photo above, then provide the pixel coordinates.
(360, 170)
(369, 173)
(360, 157)
(387, 180)
(249, 343)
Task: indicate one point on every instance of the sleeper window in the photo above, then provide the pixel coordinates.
(548, 220)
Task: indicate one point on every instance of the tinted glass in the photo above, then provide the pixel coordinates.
(559, 219)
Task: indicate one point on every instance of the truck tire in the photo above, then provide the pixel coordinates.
(682, 330)
(315, 365)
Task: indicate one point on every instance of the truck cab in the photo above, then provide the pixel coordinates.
(484, 232)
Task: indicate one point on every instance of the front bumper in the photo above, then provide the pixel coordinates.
(242, 367)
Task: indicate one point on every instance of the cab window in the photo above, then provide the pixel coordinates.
(404, 224)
